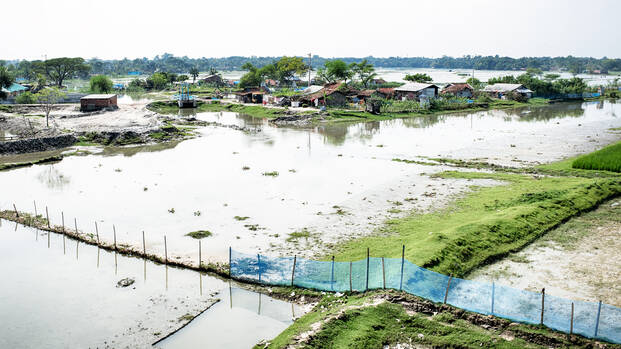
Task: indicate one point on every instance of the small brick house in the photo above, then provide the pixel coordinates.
(97, 102)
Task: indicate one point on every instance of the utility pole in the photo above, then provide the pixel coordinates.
(310, 67)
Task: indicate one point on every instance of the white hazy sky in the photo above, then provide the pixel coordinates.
(329, 28)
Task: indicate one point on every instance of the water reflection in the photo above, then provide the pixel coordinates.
(53, 178)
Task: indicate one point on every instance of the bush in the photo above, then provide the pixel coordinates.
(26, 98)
(100, 84)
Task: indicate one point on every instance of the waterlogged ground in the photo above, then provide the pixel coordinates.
(252, 190)
(56, 293)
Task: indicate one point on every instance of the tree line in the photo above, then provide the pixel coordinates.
(170, 63)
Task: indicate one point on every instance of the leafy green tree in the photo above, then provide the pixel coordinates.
(48, 97)
(335, 70)
(474, 82)
(26, 98)
(364, 70)
(157, 81)
(100, 84)
(6, 77)
(252, 78)
(418, 77)
(59, 69)
(551, 76)
(288, 67)
(182, 77)
(534, 71)
(194, 73)
(508, 79)
(575, 68)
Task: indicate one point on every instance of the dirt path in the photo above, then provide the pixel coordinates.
(578, 260)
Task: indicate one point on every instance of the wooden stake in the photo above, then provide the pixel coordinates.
(199, 254)
(367, 284)
(47, 215)
(62, 214)
(35, 206)
(97, 232)
(543, 299)
(350, 287)
(293, 270)
(448, 285)
(332, 275)
(402, 263)
(383, 273)
(230, 265)
(259, 266)
(16, 213)
(599, 311)
(64, 250)
(571, 322)
(165, 251)
(114, 231)
(75, 221)
(144, 245)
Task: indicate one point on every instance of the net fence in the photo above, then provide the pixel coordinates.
(590, 319)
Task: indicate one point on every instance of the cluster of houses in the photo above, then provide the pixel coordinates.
(338, 94)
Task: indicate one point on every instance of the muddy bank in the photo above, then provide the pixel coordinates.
(37, 144)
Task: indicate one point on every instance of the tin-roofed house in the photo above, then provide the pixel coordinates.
(416, 90)
(14, 90)
(502, 90)
(97, 102)
(459, 90)
(330, 95)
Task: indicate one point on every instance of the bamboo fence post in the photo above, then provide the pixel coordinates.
(599, 311)
(35, 206)
(97, 232)
(383, 274)
(543, 299)
(332, 275)
(47, 215)
(571, 322)
(350, 286)
(64, 250)
(62, 214)
(367, 284)
(75, 221)
(199, 254)
(165, 251)
(402, 263)
(259, 266)
(15, 208)
(114, 232)
(230, 265)
(144, 246)
(448, 286)
(295, 258)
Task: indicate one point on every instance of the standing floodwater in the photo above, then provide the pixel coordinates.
(264, 191)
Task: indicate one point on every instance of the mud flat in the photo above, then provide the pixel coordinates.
(578, 260)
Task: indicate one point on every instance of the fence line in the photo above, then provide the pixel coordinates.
(590, 319)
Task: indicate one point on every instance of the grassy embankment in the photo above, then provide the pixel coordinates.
(606, 159)
(375, 319)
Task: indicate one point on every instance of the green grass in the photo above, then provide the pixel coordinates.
(349, 322)
(271, 174)
(486, 224)
(199, 234)
(9, 166)
(302, 234)
(606, 159)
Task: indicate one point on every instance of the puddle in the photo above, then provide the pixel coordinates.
(337, 181)
(56, 293)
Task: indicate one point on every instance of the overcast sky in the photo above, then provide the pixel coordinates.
(329, 28)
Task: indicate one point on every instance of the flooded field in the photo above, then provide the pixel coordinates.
(57, 293)
(252, 190)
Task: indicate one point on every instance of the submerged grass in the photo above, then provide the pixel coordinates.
(199, 234)
(607, 159)
(486, 224)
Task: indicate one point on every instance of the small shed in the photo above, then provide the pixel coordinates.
(501, 90)
(459, 90)
(97, 102)
(415, 90)
(250, 96)
(329, 95)
(385, 92)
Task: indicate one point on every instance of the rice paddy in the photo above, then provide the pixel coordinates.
(606, 159)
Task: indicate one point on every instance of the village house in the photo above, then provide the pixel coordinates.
(330, 95)
(98, 102)
(213, 79)
(250, 95)
(416, 90)
(459, 90)
(385, 92)
(501, 90)
(14, 90)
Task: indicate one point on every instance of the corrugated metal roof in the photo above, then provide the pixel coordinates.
(14, 88)
(98, 96)
(457, 87)
(502, 87)
(414, 87)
